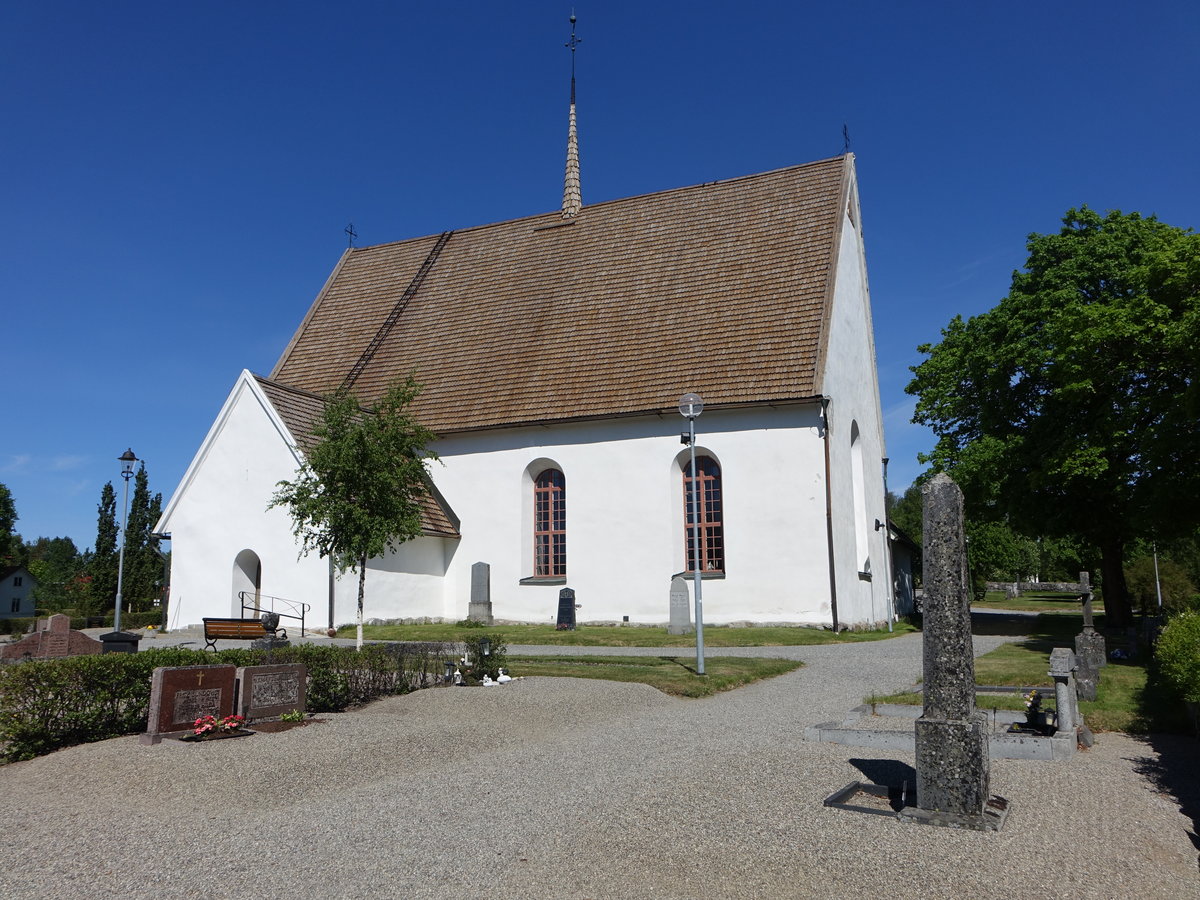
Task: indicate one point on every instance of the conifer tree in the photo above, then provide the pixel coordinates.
(103, 563)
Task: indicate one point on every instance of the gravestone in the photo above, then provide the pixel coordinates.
(951, 735)
(1090, 647)
(1062, 666)
(53, 639)
(480, 607)
(681, 610)
(268, 691)
(179, 695)
(566, 610)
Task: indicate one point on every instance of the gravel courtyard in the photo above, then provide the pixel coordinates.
(585, 789)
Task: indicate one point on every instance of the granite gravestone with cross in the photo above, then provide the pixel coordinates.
(179, 695)
(951, 735)
(1090, 647)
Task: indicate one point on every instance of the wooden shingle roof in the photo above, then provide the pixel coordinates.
(301, 410)
(720, 288)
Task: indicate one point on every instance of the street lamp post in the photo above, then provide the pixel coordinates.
(690, 407)
(127, 459)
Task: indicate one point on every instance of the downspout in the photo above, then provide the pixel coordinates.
(887, 551)
(331, 625)
(829, 515)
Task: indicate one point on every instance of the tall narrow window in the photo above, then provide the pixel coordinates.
(550, 523)
(712, 533)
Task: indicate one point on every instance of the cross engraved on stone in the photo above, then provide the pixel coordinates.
(199, 679)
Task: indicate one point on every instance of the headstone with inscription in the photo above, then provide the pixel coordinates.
(268, 691)
(681, 608)
(480, 607)
(566, 610)
(179, 695)
(52, 640)
(951, 735)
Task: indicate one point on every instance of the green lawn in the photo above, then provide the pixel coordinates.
(613, 636)
(1037, 602)
(1125, 701)
(671, 675)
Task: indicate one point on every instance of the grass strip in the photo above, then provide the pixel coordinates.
(669, 674)
(615, 636)
(1125, 699)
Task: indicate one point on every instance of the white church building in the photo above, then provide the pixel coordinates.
(553, 351)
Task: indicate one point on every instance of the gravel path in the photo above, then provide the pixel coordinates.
(584, 789)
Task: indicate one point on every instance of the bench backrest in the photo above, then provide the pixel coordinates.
(234, 628)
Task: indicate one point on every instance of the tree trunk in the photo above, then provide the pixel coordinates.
(1117, 611)
(362, 583)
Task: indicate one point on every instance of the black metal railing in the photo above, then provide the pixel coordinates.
(286, 609)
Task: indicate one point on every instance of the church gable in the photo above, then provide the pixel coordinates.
(720, 288)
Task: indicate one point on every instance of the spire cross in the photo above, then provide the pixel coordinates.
(351, 233)
(571, 45)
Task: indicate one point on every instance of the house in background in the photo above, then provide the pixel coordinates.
(16, 593)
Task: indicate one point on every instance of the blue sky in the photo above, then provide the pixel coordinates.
(177, 177)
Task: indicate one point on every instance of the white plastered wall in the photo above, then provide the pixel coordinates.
(851, 383)
(625, 535)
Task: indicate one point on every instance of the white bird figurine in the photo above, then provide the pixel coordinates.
(487, 681)
(503, 677)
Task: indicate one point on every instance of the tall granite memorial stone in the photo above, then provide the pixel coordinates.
(951, 736)
(480, 607)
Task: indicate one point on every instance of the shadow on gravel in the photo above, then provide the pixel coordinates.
(1174, 773)
(891, 772)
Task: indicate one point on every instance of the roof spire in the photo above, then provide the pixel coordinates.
(572, 198)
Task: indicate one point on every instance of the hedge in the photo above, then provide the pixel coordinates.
(53, 703)
(1178, 655)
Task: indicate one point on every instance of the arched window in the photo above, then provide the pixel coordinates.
(550, 523)
(712, 534)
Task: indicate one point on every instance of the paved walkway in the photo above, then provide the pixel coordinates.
(585, 789)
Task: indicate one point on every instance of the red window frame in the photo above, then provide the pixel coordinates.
(712, 529)
(550, 524)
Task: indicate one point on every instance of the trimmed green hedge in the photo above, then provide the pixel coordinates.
(128, 620)
(49, 704)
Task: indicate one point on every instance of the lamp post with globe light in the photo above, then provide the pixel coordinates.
(690, 407)
(127, 459)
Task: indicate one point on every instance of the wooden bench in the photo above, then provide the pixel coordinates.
(236, 630)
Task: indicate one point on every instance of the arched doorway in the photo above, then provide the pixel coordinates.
(247, 576)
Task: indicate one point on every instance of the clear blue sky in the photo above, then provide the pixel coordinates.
(176, 177)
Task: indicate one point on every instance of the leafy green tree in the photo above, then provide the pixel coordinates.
(57, 566)
(8, 522)
(359, 490)
(102, 564)
(1065, 409)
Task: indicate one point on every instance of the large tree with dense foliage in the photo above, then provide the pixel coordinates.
(1071, 407)
(8, 522)
(358, 492)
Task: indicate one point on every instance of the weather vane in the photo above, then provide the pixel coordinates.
(573, 43)
(351, 233)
